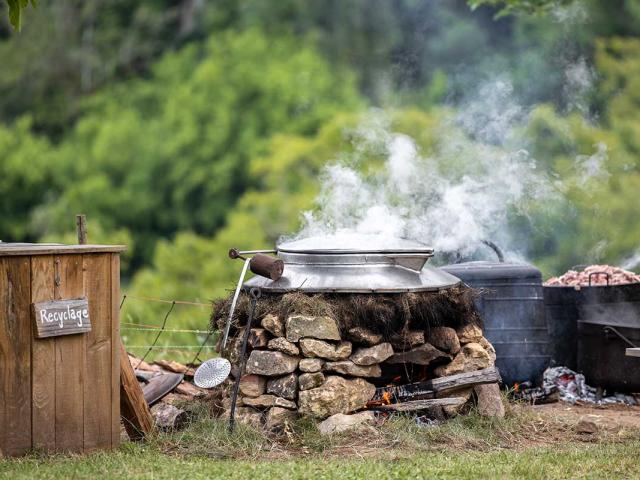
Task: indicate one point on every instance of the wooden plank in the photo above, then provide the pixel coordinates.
(15, 355)
(22, 249)
(415, 405)
(61, 317)
(70, 357)
(97, 387)
(43, 362)
(135, 412)
(633, 352)
(450, 383)
(115, 349)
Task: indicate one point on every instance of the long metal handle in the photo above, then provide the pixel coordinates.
(255, 294)
(232, 310)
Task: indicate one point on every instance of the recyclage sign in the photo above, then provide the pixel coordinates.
(61, 317)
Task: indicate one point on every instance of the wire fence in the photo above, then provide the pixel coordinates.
(160, 329)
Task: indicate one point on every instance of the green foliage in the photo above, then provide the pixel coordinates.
(15, 11)
(28, 178)
(171, 153)
(520, 6)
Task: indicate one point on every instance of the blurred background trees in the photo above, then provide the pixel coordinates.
(185, 127)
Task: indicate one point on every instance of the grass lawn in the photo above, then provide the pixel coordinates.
(523, 445)
(615, 460)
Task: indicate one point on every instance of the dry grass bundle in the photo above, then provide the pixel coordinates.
(386, 314)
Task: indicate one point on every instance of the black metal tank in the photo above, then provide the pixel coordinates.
(512, 307)
(608, 323)
(561, 309)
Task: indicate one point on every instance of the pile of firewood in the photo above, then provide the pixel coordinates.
(167, 410)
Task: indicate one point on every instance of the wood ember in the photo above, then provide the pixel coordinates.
(599, 274)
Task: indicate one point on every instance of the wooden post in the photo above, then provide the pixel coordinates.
(134, 410)
(81, 228)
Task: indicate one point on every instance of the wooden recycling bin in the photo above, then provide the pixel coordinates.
(59, 347)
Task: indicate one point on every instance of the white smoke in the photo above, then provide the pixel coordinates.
(451, 200)
(466, 190)
(631, 262)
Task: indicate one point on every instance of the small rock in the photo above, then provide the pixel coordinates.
(307, 381)
(489, 349)
(286, 387)
(323, 328)
(168, 417)
(586, 427)
(273, 324)
(470, 358)
(226, 402)
(347, 367)
(266, 401)
(258, 338)
(489, 400)
(341, 423)
(311, 365)
(422, 355)
(445, 339)
(372, 355)
(263, 401)
(284, 403)
(364, 336)
(245, 415)
(317, 348)
(469, 333)
(453, 410)
(188, 388)
(283, 345)
(335, 395)
(252, 385)
(175, 367)
(271, 364)
(277, 417)
(407, 340)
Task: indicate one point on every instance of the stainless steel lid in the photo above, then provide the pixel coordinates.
(355, 263)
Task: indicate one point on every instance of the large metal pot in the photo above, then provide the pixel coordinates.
(357, 264)
(608, 323)
(511, 306)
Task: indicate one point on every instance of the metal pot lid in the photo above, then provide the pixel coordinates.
(357, 264)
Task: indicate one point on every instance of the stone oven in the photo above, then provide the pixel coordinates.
(357, 323)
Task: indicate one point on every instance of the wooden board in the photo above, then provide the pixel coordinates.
(115, 350)
(22, 249)
(43, 363)
(15, 355)
(55, 318)
(70, 361)
(633, 352)
(135, 411)
(97, 387)
(416, 405)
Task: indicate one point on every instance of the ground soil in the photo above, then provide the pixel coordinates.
(608, 417)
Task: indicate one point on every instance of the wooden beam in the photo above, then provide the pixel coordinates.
(415, 405)
(134, 409)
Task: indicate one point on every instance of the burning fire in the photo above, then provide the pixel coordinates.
(386, 398)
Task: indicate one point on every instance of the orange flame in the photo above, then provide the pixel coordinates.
(386, 398)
